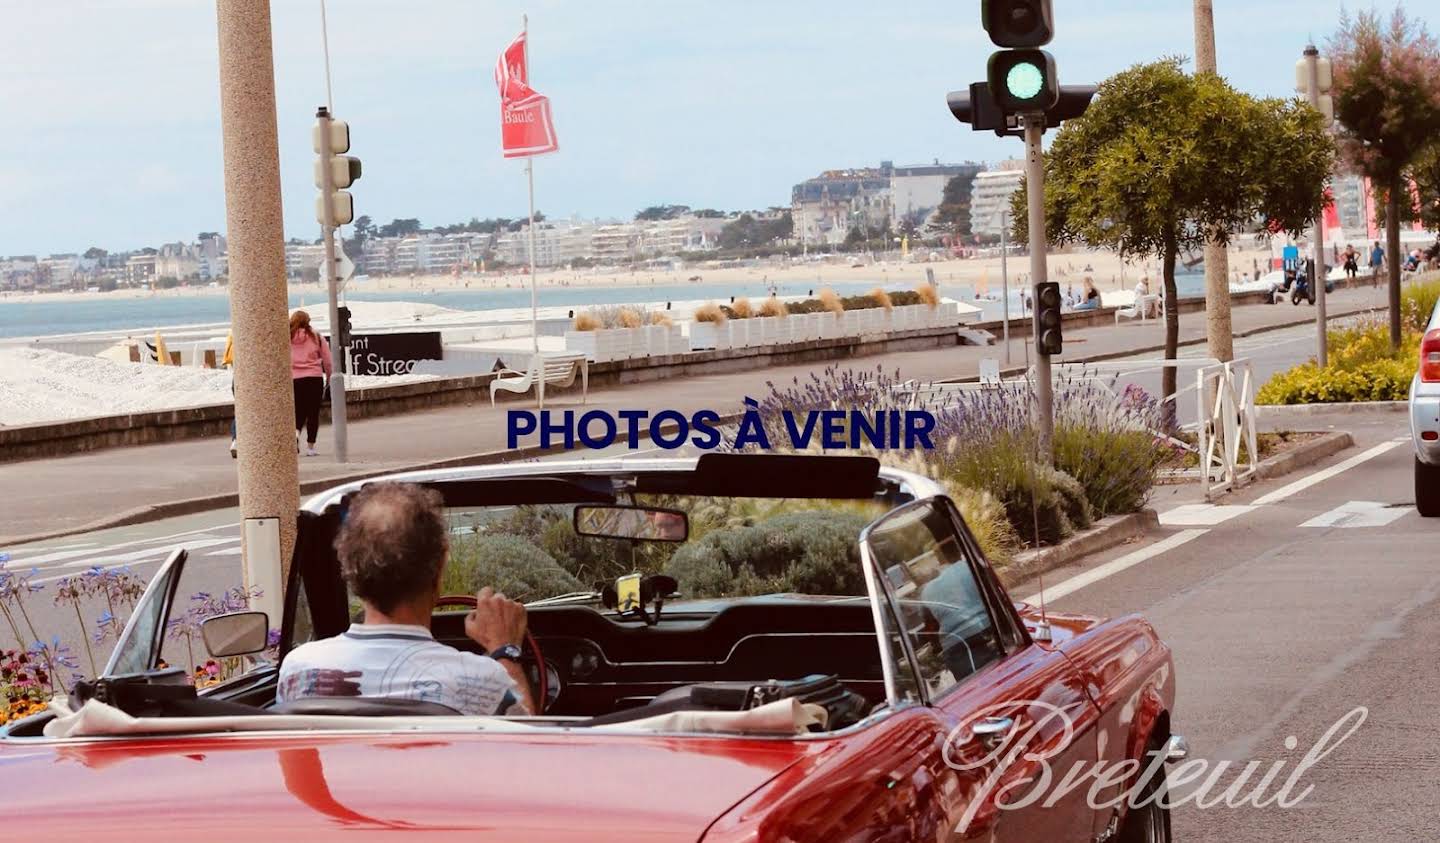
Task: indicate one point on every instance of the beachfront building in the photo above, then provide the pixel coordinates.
(18, 273)
(825, 208)
(664, 238)
(557, 243)
(140, 268)
(916, 191)
(211, 253)
(303, 260)
(179, 261)
(991, 194)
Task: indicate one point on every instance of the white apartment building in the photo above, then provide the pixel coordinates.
(916, 191)
(301, 258)
(683, 234)
(557, 243)
(991, 194)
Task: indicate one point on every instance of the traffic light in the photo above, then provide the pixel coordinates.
(1023, 81)
(343, 329)
(1018, 23)
(1047, 317)
(331, 138)
(977, 107)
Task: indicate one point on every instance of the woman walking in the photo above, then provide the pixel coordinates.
(309, 364)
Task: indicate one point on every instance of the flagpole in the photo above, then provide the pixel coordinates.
(530, 177)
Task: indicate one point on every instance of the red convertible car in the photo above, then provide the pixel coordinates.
(781, 648)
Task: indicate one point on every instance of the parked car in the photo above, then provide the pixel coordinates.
(1425, 420)
(722, 709)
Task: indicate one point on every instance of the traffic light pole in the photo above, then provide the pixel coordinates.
(1005, 276)
(337, 345)
(1035, 196)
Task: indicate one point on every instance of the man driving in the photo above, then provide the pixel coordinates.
(393, 547)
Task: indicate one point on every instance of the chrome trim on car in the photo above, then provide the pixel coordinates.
(1176, 749)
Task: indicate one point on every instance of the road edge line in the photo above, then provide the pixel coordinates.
(1115, 566)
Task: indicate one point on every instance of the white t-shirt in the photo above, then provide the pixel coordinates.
(396, 661)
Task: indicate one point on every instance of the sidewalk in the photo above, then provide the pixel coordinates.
(62, 495)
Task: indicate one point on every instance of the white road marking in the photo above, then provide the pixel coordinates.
(1358, 514)
(1202, 514)
(33, 561)
(109, 561)
(1115, 566)
(1322, 475)
(229, 551)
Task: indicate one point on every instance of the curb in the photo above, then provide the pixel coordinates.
(1150, 349)
(1304, 455)
(1347, 407)
(1107, 533)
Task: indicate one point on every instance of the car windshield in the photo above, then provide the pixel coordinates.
(736, 547)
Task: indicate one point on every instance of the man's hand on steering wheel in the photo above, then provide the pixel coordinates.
(495, 622)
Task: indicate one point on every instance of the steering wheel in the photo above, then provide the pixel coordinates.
(543, 682)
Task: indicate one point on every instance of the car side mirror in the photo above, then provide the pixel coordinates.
(236, 634)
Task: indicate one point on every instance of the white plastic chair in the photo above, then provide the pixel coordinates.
(554, 369)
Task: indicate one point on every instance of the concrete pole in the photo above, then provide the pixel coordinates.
(1035, 196)
(264, 401)
(1322, 355)
(1219, 336)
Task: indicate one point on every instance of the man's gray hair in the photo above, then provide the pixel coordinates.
(393, 543)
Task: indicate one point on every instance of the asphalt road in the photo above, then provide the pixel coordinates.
(1288, 606)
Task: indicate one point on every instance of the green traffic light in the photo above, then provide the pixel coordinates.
(1024, 81)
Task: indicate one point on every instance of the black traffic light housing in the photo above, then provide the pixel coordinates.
(344, 327)
(977, 107)
(1047, 317)
(1018, 23)
(1023, 81)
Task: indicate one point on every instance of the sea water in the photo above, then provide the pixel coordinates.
(57, 316)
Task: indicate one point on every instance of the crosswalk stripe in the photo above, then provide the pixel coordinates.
(1358, 514)
(1202, 514)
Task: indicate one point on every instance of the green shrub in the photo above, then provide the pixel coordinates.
(1417, 302)
(1363, 367)
(506, 563)
(985, 516)
(806, 552)
(1116, 467)
(1036, 498)
(1381, 380)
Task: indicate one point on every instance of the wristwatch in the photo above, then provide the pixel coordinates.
(506, 651)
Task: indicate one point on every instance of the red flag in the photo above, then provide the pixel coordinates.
(526, 127)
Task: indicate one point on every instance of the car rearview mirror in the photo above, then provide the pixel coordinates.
(632, 522)
(236, 634)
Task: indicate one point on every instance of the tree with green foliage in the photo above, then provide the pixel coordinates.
(1388, 106)
(1425, 173)
(400, 227)
(95, 252)
(1162, 157)
(661, 212)
(952, 218)
(746, 232)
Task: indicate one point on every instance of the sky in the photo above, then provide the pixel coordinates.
(110, 123)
